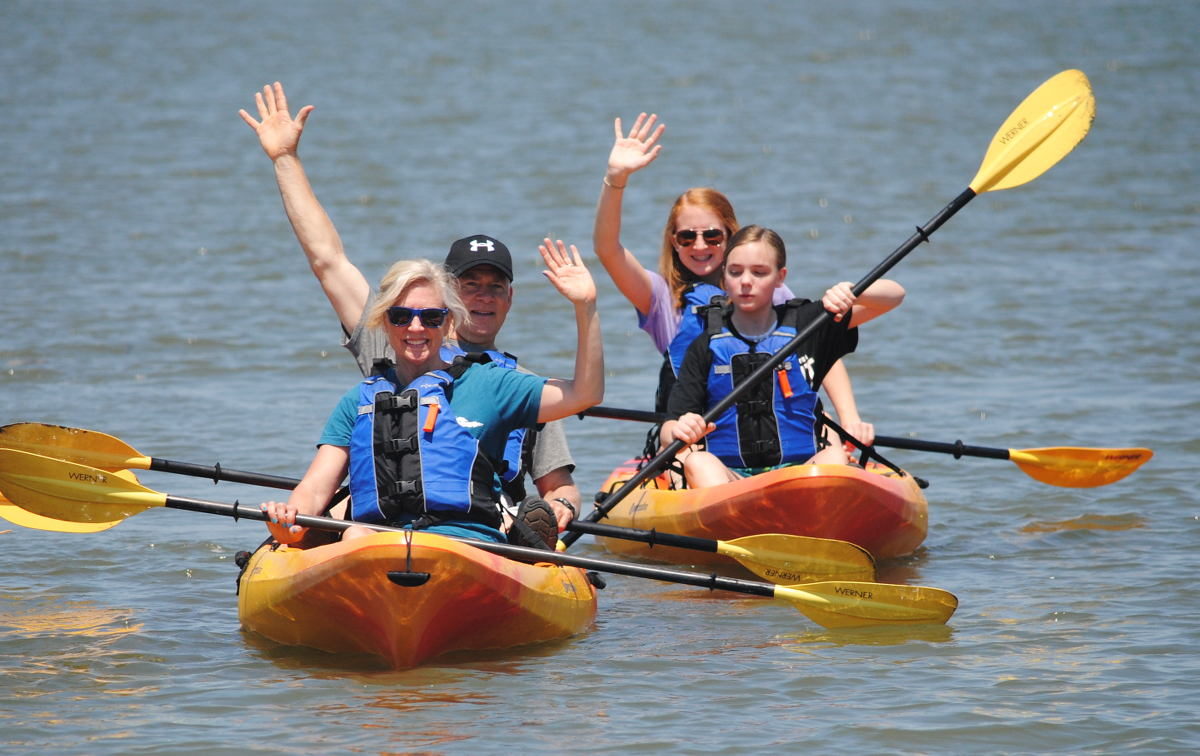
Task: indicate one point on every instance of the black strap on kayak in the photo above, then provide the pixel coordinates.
(868, 451)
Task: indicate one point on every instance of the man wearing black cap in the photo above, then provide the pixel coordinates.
(484, 271)
(482, 265)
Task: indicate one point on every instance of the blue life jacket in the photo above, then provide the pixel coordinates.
(772, 423)
(409, 457)
(697, 297)
(518, 448)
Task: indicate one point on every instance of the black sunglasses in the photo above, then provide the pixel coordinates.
(686, 237)
(431, 317)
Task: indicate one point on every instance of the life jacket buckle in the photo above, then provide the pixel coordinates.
(403, 401)
(400, 445)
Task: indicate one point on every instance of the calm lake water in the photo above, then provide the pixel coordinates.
(151, 289)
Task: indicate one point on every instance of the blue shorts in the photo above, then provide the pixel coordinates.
(458, 529)
(473, 530)
(748, 472)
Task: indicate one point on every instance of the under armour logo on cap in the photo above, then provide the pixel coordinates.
(479, 249)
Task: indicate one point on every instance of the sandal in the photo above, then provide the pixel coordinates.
(534, 526)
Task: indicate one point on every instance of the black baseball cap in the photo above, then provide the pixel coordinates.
(470, 251)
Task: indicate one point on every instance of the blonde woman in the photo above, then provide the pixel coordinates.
(459, 415)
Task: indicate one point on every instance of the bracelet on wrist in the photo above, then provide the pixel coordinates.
(611, 185)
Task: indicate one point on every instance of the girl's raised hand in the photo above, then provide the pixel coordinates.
(566, 271)
(634, 152)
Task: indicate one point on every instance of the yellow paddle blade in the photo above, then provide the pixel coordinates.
(787, 559)
(851, 604)
(70, 491)
(1043, 129)
(86, 447)
(1078, 466)
(27, 519)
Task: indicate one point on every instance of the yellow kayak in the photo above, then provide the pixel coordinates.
(339, 598)
(875, 508)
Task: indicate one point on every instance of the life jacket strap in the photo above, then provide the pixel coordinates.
(401, 488)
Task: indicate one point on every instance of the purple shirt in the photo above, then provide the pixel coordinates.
(662, 322)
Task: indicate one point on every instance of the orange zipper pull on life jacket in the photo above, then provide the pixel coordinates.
(785, 386)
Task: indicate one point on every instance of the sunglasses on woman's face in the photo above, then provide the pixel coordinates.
(431, 317)
(686, 237)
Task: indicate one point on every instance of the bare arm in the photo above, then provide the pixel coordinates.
(572, 279)
(311, 495)
(344, 285)
(629, 155)
(558, 484)
(841, 395)
(880, 297)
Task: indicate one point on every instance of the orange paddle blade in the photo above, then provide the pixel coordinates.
(1078, 467)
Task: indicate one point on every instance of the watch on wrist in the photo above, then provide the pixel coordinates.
(567, 503)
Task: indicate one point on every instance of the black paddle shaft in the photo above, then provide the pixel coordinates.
(958, 448)
(216, 472)
(653, 467)
(651, 537)
(520, 553)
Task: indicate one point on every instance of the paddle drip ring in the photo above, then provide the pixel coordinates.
(652, 540)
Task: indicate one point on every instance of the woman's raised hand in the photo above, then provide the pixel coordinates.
(634, 152)
(566, 271)
(278, 132)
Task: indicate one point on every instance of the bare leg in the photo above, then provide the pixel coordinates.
(356, 531)
(703, 469)
(834, 454)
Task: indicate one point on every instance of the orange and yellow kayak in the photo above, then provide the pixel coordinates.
(876, 508)
(339, 598)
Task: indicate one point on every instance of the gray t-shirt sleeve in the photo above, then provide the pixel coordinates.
(550, 451)
(367, 344)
